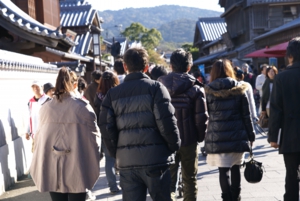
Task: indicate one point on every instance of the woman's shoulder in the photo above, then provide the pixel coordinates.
(237, 90)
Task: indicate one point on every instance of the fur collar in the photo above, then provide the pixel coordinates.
(224, 93)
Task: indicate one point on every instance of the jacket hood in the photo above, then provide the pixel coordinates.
(224, 87)
(177, 83)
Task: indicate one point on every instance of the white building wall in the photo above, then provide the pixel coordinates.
(15, 150)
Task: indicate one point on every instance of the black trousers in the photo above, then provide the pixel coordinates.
(135, 182)
(230, 178)
(67, 196)
(292, 162)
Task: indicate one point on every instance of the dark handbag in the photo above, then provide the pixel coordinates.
(253, 172)
(263, 121)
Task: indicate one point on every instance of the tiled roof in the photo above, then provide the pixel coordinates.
(68, 55)
(67, 3)
(272, 1)
(287, 26)
(84, 42)
(11, 61)
(80, 15)
(211, 28)
(20, 19)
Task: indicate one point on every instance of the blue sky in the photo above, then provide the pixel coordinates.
(121, 4)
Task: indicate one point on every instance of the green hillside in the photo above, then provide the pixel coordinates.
(176, 23)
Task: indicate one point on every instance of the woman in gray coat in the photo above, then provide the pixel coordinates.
(66, 157)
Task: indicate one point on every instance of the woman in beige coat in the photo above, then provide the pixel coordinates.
(66, 157)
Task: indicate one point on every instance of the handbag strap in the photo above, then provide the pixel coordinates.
(251, 152)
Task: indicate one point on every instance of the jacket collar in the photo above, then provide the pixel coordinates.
(224, 93)
(294, 65)
(135, 76)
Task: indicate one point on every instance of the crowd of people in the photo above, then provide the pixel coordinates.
(148, 122)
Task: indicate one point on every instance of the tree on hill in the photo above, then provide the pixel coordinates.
(149, 38)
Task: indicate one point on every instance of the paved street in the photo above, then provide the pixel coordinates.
(271, 187)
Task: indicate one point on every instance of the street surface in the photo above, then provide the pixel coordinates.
(271, 188)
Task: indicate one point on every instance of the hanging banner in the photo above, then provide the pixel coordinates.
(202, 69)
(273, 62)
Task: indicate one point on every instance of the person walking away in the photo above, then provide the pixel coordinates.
(248, 77)
(230, 131)
(119, 69)
(48, 89)
(139, 129)
(158, 71)
(108, 80)
(65, 144)
(249, 92)
(267, 90)
(82, 86)
(284, 121)
(260, 80)
(199, 76)
(188, 98)
(79, 86)
(91, 90)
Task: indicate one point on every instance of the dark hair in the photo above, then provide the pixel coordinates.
(181, 60)
(82, 85)
(221, 69)
(64, 82)
(239, 73)
(108, 80)
(158, 71)
(271, 68)
(136, 59)
(96, 75)
(293, 49)
(198, 74)
(118, 67)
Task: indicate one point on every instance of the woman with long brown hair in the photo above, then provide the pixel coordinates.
(230, 132)
(267, 89)
(108, 80)
(66, 157)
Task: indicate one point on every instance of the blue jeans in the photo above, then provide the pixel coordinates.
(135, 182)
(109, 169)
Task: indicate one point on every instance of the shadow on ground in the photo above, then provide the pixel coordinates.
(24, 190)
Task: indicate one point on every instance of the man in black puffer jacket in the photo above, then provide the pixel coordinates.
(188, 98)
(139, 129)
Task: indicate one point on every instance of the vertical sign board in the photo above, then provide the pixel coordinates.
(202, 69)
(273, 62)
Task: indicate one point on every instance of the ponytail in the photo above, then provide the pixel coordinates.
(63, 83)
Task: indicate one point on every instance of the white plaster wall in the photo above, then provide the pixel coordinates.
(15, 150)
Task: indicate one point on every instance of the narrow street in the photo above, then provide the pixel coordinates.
(271, 188)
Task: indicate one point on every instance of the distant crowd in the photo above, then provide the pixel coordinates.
(147, 120)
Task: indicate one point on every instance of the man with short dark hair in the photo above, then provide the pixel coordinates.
(139, 129)
(188, 98)
(158, 71)
(91, 90)
(284, 120)
(119, 69)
